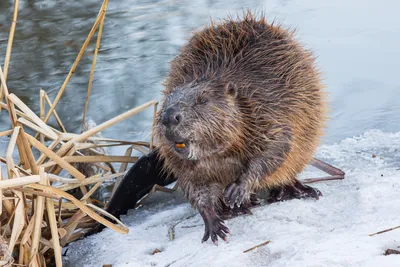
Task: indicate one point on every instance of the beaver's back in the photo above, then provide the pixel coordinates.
(277, 81)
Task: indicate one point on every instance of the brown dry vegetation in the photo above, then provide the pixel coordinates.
(38, 214)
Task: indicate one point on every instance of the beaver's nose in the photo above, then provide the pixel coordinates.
(171, 116)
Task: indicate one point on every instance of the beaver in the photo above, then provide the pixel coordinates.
(243, 109)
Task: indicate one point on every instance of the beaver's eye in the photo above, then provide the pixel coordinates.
(202, 101)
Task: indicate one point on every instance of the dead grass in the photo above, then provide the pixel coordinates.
(38, 214)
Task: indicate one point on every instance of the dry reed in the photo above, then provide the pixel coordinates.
(9, 46)
(99, 34)
(38, 212)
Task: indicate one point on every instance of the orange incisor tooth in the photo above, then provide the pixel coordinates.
(180, 145)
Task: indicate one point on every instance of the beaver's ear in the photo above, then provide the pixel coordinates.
(231, 90)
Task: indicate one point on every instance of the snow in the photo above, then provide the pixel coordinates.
(331, 231)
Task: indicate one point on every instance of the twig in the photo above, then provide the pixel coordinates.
(122, 168)
(10, 149)
(28, 152)
(100, 32)
(191, 226)
(155, 188)
(10, 218)
(9, 46)
(90, 180)
(32, 115)
(260, 245)
(42, 112)
(46, 97)
(19, 221)
(171, 230)
(13, 118)
(38, 217)
(19, 113)
(70, 136)
(70, 227)
(384, 231)
(43, 156)
(28, 231)
(68, 167)
(91, 191)
(328, 178)
(94, 160)
(35, 192)
(55, 113)
(78, 58)
(121, 228)
(8, 132)
(57, 169)
(16, 182)
(83, 136)
(100, 159)
(153, 126)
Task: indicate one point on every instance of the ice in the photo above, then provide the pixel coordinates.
(332, 231)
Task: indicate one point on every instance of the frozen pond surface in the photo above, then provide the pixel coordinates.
(333, 231)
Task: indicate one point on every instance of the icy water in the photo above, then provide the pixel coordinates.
(357, 48)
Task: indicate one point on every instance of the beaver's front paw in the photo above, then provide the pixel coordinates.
(215, 227)
(235, 193)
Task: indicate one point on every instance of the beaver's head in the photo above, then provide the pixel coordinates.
(199, 120)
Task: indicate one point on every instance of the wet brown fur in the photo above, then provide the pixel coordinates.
(278, 84)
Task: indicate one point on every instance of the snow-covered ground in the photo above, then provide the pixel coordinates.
(333, 231)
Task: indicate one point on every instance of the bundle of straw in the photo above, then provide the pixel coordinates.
(38, 213)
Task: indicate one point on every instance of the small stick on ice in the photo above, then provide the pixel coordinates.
(336, 174)
(172, 228)
(322, 179)
(260, 245)
(155, 188)
(384, 231)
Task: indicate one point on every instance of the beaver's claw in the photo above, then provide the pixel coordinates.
(297, 190)
(234, 194)
(214, 228)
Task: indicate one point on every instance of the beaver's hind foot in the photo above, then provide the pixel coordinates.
(297, 190)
